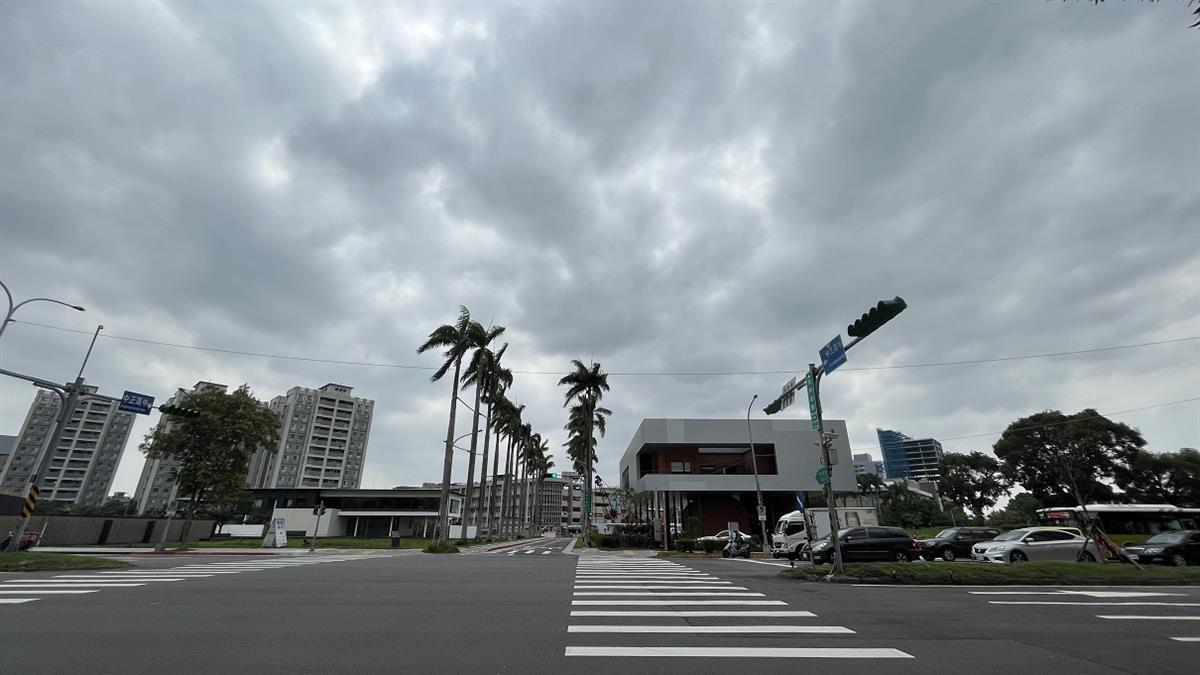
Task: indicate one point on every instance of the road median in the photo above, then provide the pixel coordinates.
(1032, 574)
(49, 562)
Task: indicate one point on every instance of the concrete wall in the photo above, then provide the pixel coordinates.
(303, 519)
(90, 530)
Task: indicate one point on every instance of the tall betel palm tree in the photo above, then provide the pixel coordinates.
(587, 386)
(456, 339)
(500, 412)
(539, 464)
(480, 362)
(492, 380)
(513, 428)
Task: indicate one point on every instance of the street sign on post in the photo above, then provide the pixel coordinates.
(789, 394)
(833, 354)
(762, 512)
(813, 411)
(822, 476)
(134, 402)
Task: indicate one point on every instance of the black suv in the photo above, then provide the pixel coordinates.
(868, 543)
(953, 543)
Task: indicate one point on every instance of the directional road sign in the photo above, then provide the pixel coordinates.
(789, 394)
(813, 412)
(822, 476)
(762, 512)
(136, 403)
(833, 354)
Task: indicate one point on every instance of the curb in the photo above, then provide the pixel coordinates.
(523, 542)
(571, 546)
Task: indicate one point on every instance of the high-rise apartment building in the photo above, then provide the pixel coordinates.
(865, 465)
(322, 440)
(906, 457)
(156, 486)
(85, 461)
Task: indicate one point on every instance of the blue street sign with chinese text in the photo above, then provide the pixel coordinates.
(833, 354)
(136, 403)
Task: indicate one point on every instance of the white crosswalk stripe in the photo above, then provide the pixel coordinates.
(34, 589)
(655, 598)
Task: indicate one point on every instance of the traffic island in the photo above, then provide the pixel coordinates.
(1022, 574)
(51, 562)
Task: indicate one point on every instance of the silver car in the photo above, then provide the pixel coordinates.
(1041, 544)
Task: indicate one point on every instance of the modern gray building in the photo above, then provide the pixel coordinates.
(156, 486)
(701, 469)
(7, 443)
(85, 461)
(919, 459)
(322, 440)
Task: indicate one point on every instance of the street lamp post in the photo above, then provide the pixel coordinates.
(762, 507)
(12, 309)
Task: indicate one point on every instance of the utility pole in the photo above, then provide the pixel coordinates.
(833, 355)
(826, 461)
(762, 507)
(318, 511)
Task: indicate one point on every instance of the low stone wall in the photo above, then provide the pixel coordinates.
(98, 530)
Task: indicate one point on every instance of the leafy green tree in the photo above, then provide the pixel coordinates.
(226, 507)
(213, 450)
(456, 339)
(586, 386)
(1064, 458)
(902, 507)
(1170, 478)
(973, 482)
(1021, 511)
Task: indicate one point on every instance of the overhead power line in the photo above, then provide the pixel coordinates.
(713, 373)
(1053, 424)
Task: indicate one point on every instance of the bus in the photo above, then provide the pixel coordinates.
(1125, 523)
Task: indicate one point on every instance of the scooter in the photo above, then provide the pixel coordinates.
(736, 548)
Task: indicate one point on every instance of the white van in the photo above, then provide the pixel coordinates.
(796, 529)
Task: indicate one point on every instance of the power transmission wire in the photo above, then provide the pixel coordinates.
(1053, 424)
(715, 373)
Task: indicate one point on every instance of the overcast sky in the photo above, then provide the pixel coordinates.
(665, 188)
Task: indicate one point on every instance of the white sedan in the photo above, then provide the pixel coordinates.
(1039, 544)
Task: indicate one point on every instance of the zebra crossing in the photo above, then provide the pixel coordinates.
(22, 591)
(618, 598)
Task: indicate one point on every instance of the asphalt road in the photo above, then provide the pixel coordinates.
(548, 612)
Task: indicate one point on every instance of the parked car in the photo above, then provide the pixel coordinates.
(723, 537)
(1179, 548)
(861, 544)
(1037, 543)
(953, 543)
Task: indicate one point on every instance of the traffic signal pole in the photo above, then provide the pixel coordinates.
(834, 525)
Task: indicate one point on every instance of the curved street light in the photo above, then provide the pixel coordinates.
(762, 507)
(12, 309)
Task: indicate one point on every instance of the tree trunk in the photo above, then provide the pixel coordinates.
(506, 495)
(483, 484)
(524, 525)
(468, 512)
(492, 515)
(588, 499)
(448, 462)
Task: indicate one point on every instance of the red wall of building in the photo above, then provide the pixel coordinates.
(718, 510)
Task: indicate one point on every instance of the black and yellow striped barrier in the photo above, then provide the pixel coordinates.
(30, 501)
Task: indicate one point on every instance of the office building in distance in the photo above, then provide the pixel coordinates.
(919, 459)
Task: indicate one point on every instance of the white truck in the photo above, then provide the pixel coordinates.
(800, 528)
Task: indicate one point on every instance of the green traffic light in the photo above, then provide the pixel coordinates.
(774, 407)
(881, 313)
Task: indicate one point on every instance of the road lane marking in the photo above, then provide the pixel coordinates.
(1147, 617)
(745, 652)
(1090, 594)
(1095, 604)
(840, 630)
(697, 613)
(634, 586)
(656, 594)
(612, 582)
(545, 552)
(1186, 639)
(757, 562)
(17, 601)
(671, 603)
(40, 591)
(52, 584)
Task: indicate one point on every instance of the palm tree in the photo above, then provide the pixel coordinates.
(456, 338)
(587, 386)
(577, 434)
(539, 463)
(480, 339)
(500, 410)
(512, 430)
(531, 439)
(492, 380)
